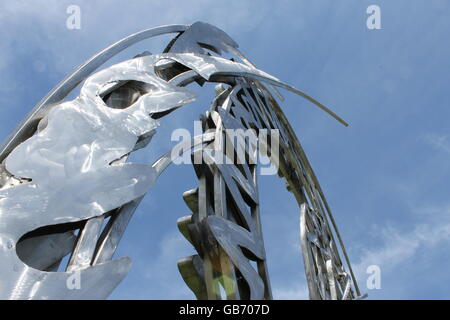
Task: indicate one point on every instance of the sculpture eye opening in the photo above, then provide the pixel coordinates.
(65, 244)
(125, 94)
(168, 69)
(209, 47)
(56, 240)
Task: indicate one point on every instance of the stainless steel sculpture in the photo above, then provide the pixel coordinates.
(64, 172)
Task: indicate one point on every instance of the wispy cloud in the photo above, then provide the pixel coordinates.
(440, 142)
(399, 247)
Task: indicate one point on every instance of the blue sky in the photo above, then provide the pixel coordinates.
(386, 176)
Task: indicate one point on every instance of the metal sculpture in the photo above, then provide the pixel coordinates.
(64, 172)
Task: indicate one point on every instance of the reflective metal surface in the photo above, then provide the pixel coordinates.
(66, 187)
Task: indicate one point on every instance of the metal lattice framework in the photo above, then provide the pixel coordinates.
(66, 187)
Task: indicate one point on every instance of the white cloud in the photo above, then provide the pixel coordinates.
(438, 141)
(402, 247)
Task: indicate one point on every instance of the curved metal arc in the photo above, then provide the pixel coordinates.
(217, 66)
(288, 87)
(302, 154)
(244, 59)
(62, 89)
(237, 53)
